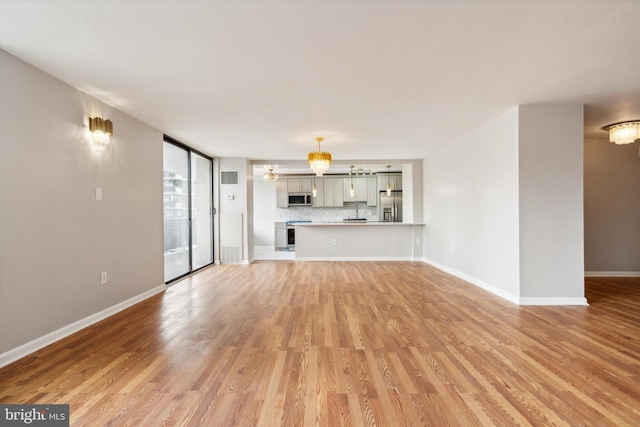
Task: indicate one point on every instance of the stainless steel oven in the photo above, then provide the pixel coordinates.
(291, 234)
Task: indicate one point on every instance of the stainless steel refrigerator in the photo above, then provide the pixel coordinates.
(390, 207)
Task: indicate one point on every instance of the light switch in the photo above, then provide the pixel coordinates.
(98, 193)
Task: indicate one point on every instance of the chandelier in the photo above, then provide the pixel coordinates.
(624, 132)
(319, 161)
(270, 176)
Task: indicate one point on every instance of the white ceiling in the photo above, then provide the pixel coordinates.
(379, 80)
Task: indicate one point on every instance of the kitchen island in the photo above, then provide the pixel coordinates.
(358, 241)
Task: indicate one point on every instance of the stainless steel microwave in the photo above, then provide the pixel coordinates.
(299, 199)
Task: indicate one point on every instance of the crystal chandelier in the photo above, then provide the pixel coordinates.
(319, 161)
(624, 132)
(270, 176)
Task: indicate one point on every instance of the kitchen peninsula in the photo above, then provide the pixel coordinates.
(358, 241)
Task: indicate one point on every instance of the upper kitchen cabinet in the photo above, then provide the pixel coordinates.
(318, 199)
(299, 185)
(282, 195)
(360, 189)
(394, 180)
(372, 191)
(333, 191)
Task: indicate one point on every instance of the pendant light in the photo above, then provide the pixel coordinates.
(352, 191)
(388, 184)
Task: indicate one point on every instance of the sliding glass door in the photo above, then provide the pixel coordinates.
(188, 210)
(201, 211)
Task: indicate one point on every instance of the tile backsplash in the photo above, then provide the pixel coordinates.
(332, 214)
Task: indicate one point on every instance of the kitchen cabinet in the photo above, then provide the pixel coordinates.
(299, 185)
(282, 195)
(372, 191)
(280, 236)
(338, 192)
(394, 180)
(318, 200)
(333, 192)
(360, 189)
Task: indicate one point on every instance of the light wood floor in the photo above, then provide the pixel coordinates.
(344, 343)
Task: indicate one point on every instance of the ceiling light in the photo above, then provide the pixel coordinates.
(388, 184)
(319, 161)
(624, 132)
(101, 130)
(351, 190)
(270, 176)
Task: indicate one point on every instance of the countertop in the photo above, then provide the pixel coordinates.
(359, 223)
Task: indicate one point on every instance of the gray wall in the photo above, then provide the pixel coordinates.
(503, 205)
(612, 207)
(56, 238)
(471, 205)
(551, 201)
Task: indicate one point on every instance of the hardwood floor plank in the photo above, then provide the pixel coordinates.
(344, 344)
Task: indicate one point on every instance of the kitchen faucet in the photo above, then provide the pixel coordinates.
(357, 217)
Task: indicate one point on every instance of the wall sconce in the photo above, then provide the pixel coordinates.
(101, 130)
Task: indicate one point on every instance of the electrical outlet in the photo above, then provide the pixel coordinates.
(335, 241)
(103, 278)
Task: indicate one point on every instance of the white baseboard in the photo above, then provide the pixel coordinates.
(477, 282)
(298, 258)
(32, 346)
(612, 274)
(552, 301)
(509, 297)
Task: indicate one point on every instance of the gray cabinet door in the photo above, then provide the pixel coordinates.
(281, 238)
(372, 191)
(282, 195)
(338, 192)
(299, 185)
(359, 189)
(318, 200)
